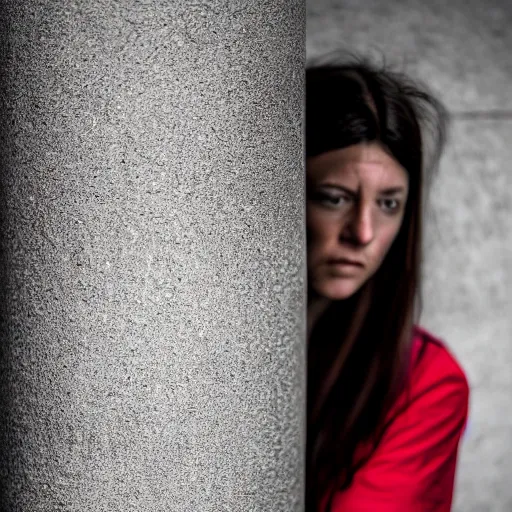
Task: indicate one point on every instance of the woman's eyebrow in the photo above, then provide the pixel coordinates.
(347, 190)
(392, 191)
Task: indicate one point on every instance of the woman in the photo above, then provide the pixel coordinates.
(387, 402)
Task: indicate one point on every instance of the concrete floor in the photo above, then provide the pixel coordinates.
(462, 50)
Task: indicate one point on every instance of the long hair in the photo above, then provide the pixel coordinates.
(359, 350)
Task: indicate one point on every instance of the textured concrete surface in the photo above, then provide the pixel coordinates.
(153, 249)
(462, 50)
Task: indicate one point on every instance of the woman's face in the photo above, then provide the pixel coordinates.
(355, 205)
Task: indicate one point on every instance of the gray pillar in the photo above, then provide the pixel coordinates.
(153, 256)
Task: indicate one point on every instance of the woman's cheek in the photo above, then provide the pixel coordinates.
(386, 242)
(317, 232)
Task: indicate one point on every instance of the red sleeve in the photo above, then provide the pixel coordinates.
(413, 468)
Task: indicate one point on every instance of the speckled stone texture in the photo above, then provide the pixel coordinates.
(152, 354)
(462, 49)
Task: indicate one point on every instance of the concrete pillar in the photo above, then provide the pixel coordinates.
(152, 354)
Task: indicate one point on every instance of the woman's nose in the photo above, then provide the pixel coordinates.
(360, 227)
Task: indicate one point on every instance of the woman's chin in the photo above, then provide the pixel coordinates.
(337, 289)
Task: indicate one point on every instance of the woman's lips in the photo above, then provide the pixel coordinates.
(345, 262)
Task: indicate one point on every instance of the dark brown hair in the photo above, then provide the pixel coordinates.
(358, 352)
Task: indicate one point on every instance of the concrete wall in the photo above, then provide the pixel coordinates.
(152, 256)
(462, 50)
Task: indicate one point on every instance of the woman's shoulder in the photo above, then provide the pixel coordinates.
(432, 361)
(413, 465)
(435, 377)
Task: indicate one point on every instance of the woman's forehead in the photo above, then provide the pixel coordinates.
(359, 163)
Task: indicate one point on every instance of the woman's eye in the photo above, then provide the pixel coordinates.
(390, 205)
(331, 200)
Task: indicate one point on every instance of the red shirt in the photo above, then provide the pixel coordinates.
(413, 467)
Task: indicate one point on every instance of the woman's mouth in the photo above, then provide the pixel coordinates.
(345, 262)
